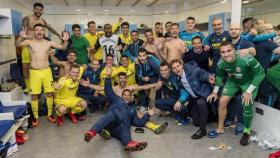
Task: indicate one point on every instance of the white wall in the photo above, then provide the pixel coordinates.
(269, 9)
(7, 48)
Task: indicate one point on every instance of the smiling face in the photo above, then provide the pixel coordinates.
(134, 36)
(39, 32)
(190, 25)
(108, 30)
(174, 31)
(177, 68)
(77, 32)
(164, 71)
(125, 29)
(149, 37)
(142, 57)
(217, 25)
(92, 28)
(95, 64)
(126, 95)
(235, 31)
(74, 73)
(227, 52)
(71, 57)
(38, 11)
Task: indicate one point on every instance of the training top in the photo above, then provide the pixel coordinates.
(245, 70)
(187, 37)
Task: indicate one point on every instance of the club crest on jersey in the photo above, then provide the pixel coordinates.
(224, 90)
(238, 69)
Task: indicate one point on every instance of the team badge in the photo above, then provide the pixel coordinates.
(238, 69)
(224, 90)
(224, 39)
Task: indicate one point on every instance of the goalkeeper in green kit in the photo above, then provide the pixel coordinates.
(244, 73)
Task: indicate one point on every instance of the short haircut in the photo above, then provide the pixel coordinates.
(39, 24)
(105, 25)
(246, 20)
(217, 18)
(74, 26)
(158, 23)
(71, 51)
(90, 22)
(142, 50)
(168, 22)
(94, 59)
(190, 18)
(226, 43)
(134, 31)
(124, 56)
(148, 30)
(109, 55)
(175, 24)
(196, 37)
(122, 74)
(38, 5)
(125, 24)
(126, 90)
(164, 64)
(75, 66)
(175, 61)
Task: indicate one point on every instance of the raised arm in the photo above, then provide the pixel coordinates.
(55, 60)
(65, 38)
(52, 30)
(22, 40)
(143, 87)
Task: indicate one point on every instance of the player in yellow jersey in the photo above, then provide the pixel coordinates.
(40, 72)
(115, 71)
(92, 35)
(125, 36)
(28, 23)
(66, 99)
(129, 69)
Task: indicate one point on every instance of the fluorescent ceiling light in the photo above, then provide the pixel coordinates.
(245, 2)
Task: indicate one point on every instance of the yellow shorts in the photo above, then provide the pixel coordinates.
(25, 55)
(39, 78)
(68, 103)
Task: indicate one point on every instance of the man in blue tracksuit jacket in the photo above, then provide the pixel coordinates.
(147, 72)
(171, 93)
(92, 73)
(117, 119)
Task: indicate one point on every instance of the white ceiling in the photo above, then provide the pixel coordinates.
(100, 2)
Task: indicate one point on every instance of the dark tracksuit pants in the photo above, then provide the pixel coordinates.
(142, 94)
(94, 102)
(199, 112)
(116, 127)
(168, 104)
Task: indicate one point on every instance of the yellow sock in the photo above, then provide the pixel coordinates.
(27, 85)
(49, 101)
(34, 107)
(77, 109)
(152, 126)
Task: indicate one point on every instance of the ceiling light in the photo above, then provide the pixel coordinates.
(132, 10)
(78, 9)
(106, 10)
(245, 2)
(166, 12)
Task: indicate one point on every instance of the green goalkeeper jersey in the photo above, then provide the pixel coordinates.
(244, 70)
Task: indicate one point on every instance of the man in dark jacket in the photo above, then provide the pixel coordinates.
(196, 81)
(147, 72)
(117, 119)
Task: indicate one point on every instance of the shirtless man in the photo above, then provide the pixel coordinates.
(28, 23)
(64, 66)
(40, 73)
(175, 47)
(153, 45)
